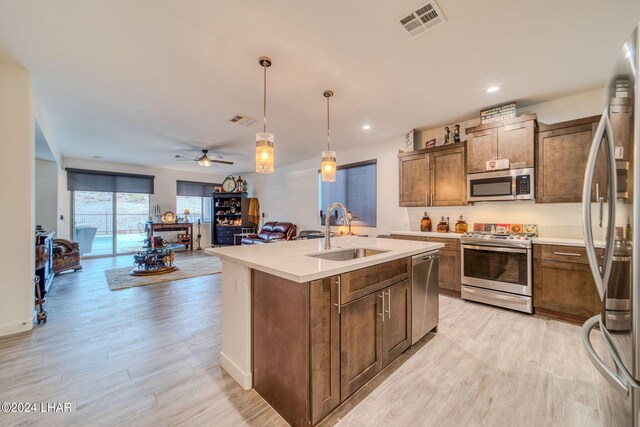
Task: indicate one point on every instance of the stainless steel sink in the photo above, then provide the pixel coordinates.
(347, 254)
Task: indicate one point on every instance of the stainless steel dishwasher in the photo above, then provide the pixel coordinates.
(424, 294)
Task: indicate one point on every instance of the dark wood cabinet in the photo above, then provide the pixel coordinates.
(396, 324)
(312, 349)
(563, 283)
(325, 347)
(361, 342)
(511, 139)
(433, 177)
(562, 150)
(450, 268)
(229, 217)
(414, 180)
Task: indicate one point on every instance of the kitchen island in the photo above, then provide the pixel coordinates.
(307, 327)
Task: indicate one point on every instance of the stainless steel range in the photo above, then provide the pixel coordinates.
(497, 270)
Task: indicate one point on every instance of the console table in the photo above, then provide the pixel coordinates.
(151, 227)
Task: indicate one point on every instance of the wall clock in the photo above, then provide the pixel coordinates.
(229, 184)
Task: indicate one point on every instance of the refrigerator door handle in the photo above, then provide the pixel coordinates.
(620, 384)
(604, 127)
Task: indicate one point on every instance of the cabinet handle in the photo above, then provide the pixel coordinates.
(381, 295)
(339, 294)
(388, 292)
(567, 254)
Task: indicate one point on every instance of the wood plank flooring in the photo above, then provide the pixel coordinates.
(150, 356)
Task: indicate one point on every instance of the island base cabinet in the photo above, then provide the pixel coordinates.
(361, 342)
(325, 347)
(396, 325)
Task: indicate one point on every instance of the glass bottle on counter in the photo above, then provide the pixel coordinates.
(443, 226)
(425, 222)
(461, 226)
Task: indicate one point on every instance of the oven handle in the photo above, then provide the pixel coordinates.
(495, 249)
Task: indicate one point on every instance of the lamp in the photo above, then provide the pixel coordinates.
(328, 169)
(205, 161)
(264, 140)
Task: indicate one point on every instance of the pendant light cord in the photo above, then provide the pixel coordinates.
(264, 100)
(328, 127)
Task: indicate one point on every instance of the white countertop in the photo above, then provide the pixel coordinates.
(428, 234)
(289, 260)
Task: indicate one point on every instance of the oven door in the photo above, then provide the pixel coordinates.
(500, 268)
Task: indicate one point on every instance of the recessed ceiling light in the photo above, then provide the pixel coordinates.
(493, 89)
(366, 127)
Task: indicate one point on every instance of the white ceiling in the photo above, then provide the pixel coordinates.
(135, 81)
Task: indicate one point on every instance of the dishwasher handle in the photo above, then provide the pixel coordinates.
(422, 258)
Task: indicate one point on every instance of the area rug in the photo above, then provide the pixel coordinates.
(119, 278)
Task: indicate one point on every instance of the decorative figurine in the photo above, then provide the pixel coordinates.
(447, 135)
(456, 134)
(239, 183)
(244, 186)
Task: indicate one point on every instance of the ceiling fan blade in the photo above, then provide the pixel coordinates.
(226, 162)
(188, 155)
(186, 160)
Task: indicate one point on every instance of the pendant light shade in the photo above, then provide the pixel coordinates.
(328, 169)
(264, 140)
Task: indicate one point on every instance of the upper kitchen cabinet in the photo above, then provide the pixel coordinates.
(433, 176)
(511, 139)
(414, 179)
(562, 150)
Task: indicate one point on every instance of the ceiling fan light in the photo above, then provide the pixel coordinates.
(204, 162)
(328, 169)
(264, 153)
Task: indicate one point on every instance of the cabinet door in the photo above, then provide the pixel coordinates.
(325, 347)
(414, 180)
(450, 270)
(566, 288)
(515, 142)
(562, 159)
(448, 177)
(481, 146)
(360, 342)
(396, 326)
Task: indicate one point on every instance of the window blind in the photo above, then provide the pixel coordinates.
(356, 188)
(113, 182)
(199, 189)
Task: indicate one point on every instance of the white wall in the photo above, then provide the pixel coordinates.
(46, 194)
(164, 185)
(291, 193)
(17, 151)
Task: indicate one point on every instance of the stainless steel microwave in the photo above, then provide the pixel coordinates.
(510, 184)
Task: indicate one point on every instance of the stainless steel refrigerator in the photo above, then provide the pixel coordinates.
(611, 219)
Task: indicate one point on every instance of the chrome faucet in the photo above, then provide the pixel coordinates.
(327, 222)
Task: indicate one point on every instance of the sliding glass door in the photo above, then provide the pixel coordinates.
(93, 222)
(108, 223)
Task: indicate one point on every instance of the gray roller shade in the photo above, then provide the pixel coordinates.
(112, 182)
(199, 189)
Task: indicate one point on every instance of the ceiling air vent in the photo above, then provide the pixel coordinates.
(242, 120)
(423, 19)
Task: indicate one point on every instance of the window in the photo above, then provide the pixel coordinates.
(109, 210)
(355, 187)
(196, 197)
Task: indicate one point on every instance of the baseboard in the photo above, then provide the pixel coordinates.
(16, 328)
(242, 378)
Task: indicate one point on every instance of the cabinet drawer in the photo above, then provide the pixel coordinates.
(358, 283)
(574, 254)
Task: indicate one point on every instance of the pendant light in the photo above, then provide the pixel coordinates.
(328, 169)
(264, 140)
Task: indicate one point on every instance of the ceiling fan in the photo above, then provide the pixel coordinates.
(203, 160)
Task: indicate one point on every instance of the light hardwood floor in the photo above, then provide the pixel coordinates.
(149, 356)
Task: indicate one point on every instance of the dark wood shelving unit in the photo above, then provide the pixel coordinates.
(221, 206)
